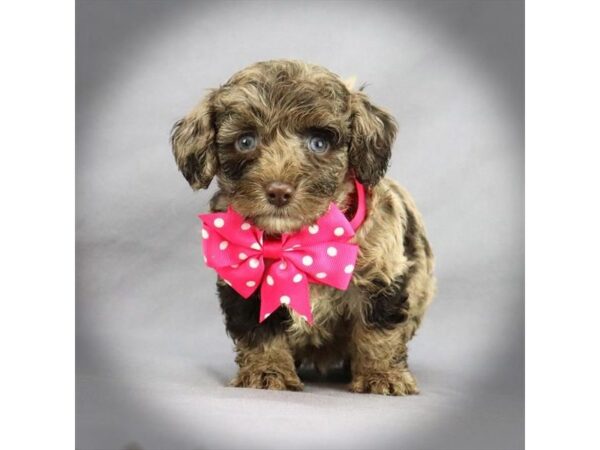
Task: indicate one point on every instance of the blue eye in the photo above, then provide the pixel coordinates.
(318, 144)
(246, 142)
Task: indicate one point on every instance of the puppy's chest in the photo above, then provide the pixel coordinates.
(330, 309)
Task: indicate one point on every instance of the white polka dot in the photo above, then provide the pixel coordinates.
(331, 251)
(313, 229)
(270, 280)
(250, 283)
(253, 263)
(339, 231)
(218, 222)
(285, 300)
(321, 275)
(297, 278)
(246, 226)
(307, 260)
(223, 245)
(266, 315)
(283, 265)
(242, 256)
(255, 246)
(349, 268)
(204, 234)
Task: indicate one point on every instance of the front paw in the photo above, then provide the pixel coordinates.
(391, 382)
(274, 379)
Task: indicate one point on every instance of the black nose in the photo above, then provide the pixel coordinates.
(279, 194)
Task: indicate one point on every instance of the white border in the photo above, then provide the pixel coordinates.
(37, 238)
(562, 224)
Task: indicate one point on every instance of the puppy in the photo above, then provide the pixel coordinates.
(284, 140)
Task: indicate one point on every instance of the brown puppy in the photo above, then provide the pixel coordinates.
(284, 139)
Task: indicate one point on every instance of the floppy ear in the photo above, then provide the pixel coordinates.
(194, 147)
(373, 133)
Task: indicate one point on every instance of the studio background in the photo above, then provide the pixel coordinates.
(153, 359)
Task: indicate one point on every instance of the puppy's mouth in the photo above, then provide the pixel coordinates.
(281, 220)
(290, 218)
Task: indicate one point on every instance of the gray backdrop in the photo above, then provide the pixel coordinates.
(153, 359)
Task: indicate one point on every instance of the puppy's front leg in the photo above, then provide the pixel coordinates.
(268, 365)
(263, 355)
(378, 348)
(379, 362)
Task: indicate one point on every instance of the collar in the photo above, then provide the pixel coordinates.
(360, 204)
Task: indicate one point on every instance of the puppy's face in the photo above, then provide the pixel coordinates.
(282, 137)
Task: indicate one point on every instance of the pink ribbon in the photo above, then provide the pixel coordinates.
(283, 268)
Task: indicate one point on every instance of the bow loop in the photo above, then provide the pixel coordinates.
(333, 226)
(232, 226)
(329, 263)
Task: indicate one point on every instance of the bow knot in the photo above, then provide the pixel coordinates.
(272, 249)
(283, 268)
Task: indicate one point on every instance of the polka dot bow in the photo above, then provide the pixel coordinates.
(283, 268)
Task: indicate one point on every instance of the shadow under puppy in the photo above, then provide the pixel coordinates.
(284, 140)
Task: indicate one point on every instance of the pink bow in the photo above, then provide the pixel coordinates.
(319, 253)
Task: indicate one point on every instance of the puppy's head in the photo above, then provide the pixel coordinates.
(282, 138)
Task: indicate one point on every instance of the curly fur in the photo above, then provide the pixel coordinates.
(367, 326)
